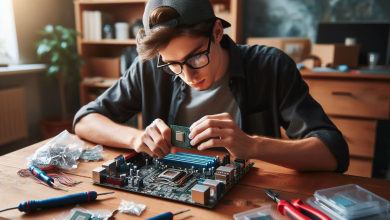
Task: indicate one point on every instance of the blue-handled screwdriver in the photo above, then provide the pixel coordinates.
(42, 175)
(32, 205)
(166, 216)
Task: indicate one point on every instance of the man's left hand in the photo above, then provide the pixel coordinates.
(230, 135)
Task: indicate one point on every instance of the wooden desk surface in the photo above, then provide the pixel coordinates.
(246, 195)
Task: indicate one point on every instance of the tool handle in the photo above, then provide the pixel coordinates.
(309, 211)
(32, 205)
(290, 211)
(41, 175)
(165, 216)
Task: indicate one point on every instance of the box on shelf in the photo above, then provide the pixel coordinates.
(332, 55)
(297, 48)
(103, 67)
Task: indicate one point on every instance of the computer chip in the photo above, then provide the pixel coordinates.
(179, 136)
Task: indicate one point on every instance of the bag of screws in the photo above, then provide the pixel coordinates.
(62, 151)
(95, 153)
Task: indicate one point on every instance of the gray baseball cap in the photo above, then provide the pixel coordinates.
(191, 12)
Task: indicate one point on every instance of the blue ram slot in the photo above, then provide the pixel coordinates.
(213, 159)
(209, 163)
(190, 160)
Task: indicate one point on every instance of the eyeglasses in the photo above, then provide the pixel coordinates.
(196, 61)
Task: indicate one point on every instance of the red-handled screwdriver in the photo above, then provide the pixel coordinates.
(32, 205)
(166, 216)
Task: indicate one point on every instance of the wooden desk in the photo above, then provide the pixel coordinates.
(246, 195)
(355, 103)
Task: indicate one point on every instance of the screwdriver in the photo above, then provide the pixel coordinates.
(166, 216)
(32, 205)
(42, 175)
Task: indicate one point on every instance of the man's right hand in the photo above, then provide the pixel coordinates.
(155, 140)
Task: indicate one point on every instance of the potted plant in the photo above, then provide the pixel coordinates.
(59, 46)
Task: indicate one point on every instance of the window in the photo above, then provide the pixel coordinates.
(8, 42)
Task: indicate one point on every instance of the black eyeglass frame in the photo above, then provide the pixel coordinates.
(206, 52)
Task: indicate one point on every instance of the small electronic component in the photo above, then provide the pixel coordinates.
(80, 216)
(200, 194)
(246, 163)
(215, 188)
(237, 170)
(110, 167)
(99, 174)
(179, 136)
(170, 174)
(225, 175)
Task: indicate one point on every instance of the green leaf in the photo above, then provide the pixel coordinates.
(42, 49)
(64, 45)
(49, 28)
(55, 57)
(53, 69)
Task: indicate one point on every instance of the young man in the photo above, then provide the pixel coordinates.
(190, 74)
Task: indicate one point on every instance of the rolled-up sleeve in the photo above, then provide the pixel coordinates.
(119, 102)
(302, 117)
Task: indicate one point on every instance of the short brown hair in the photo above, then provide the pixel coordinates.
(157, 39)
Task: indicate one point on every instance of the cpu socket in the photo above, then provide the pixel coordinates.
(170, 174)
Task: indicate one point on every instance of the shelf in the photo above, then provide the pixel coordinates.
(111, 41)
(99, 2)
(102, 83)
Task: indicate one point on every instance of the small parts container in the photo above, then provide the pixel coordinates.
(121, 30)
(350, 202)
(264, 213)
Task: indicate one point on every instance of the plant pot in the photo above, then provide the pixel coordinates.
(53, 125)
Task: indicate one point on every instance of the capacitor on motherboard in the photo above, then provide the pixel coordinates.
(156, 164)
(135, 169)
(132, 181)
(204, 170)
(131, 172)
(212, 170)
(192, 168)
(146, 162)
(138, 173)
(140, 183)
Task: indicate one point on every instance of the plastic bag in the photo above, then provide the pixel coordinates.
(131, 207)
(62, 151)
(101, 214)
(95, 153)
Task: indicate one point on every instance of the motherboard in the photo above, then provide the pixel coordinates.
(188, 178)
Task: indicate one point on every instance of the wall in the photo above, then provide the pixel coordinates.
(42, 93)
(299, 18)
(32, 16)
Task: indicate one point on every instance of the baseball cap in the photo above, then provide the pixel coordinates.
(191, 12)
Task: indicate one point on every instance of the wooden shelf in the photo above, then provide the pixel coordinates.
(111, 41)
(104, 83)
(99, 2)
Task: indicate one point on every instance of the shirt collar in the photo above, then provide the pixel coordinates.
(236, 68)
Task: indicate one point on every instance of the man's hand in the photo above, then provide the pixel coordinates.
(231, 136)
(155, 140)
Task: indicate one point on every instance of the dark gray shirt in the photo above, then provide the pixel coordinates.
(215, 100)
(264, 81)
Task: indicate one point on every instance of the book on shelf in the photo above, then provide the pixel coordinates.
(93, 23)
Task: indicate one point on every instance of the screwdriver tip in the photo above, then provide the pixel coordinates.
(104, 193)
(2, 210)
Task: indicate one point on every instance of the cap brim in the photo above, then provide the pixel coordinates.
(225, 24)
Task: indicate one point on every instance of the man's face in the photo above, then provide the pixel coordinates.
(180, 48)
